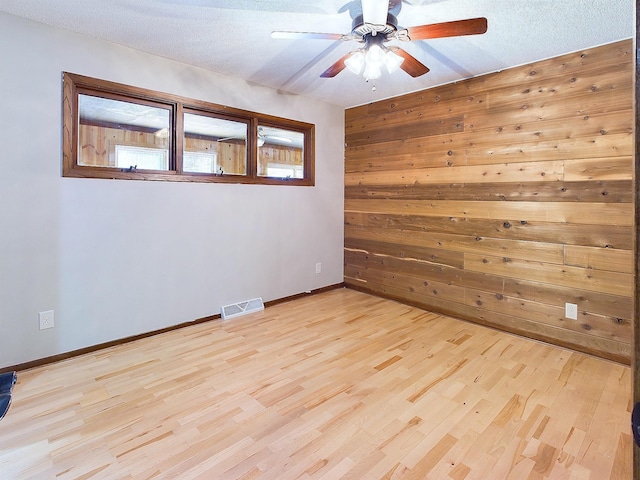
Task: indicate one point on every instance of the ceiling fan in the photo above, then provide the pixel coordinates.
(375, 27)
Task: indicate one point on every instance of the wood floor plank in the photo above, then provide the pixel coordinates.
(340, 385)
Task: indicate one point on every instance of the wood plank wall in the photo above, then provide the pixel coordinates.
(279, 155)
(97, 145)
(498, 199)
(232, 154)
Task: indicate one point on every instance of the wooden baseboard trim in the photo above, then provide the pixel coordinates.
(94, 348)
(305, 294)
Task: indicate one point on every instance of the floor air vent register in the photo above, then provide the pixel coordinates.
(242, 308)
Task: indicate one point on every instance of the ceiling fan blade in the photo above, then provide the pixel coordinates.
(336, 68)
(375, 11)
(227, 138)
(278, 139)
(471, 26)
(411, 65)
(307, 35)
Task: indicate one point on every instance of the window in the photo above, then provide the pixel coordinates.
(280, 152)
(116, 131)
(215, 137)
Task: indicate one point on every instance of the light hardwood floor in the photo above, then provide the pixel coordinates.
(335, 385)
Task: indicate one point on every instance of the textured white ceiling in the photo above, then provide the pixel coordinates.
(233, 37)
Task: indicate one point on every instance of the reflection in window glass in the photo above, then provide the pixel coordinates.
(141, 158)
(280, 153)
(106, 124)
(284, 171)
(216, 143)
(200, 162)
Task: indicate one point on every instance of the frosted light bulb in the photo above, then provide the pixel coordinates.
(392, 61)
(372, 71)
(375, 55)
(355, 62)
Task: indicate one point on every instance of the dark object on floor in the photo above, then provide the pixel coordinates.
(635, 423)
(5, 403)
(7, 381)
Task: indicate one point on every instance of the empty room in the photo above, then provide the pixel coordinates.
(368, 239)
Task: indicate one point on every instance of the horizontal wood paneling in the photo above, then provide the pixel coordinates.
(405, 126)
(502, 173)
(433, 269)
(586, 213)
(547, 252)
(570, 234)
(611, 190)
(598, 169)
(613, 283)
(599, 258)
(500, 198)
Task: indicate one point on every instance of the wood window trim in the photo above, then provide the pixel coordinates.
(73, 84)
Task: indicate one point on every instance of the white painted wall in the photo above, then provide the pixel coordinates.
(73, 245)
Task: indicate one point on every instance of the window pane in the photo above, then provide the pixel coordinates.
(280, 153)
(214, 145)
(138, 133)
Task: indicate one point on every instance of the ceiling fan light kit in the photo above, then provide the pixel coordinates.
(372, 58)
(377, 26)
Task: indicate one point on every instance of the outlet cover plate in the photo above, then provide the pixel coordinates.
(571, 311)
(318, 268)
(46, 319)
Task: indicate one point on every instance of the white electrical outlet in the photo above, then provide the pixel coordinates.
(571, 311)
(318, 268)
(46, 319)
